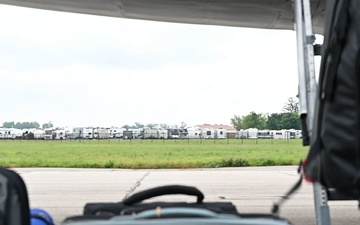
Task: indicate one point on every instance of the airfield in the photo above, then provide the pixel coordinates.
(65, 191)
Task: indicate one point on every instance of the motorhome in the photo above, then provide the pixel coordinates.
(252, 133)
(220, 133)
(264, 134)
(194, 133)
(88, 133)
(207, 133)
(151, 133)
(101, 133)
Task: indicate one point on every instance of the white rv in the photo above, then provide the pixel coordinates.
(88, 133)
(163, 133)
(59, 134)
(252, 133)
(220, 133)
(101, 133)
(116, 132)
(207, 133)
(151, 133)
(194, 133)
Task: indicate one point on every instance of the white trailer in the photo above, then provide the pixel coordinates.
(151, 133)
(207, 133)
(194, 133)
(163, 133)
(116, 132)
(88, 133)
(277, 134)
(242, 134)
(252, 133)
(220, 133)
(59, 134)
(38, 134)
(101, 133)
(264, 134)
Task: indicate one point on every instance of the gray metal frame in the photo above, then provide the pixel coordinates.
(307, 92)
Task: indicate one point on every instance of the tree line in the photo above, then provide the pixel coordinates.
(288, 119)
(27, 125)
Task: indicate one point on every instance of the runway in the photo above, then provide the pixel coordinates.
(64, 192)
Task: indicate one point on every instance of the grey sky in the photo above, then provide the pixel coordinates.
(80, 70)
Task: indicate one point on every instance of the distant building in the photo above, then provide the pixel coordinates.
(230, 130)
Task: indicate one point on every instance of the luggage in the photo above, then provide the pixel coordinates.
(133, 210)
(14, 202)
(334, 156)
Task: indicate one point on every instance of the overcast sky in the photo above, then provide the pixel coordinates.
(82, 70)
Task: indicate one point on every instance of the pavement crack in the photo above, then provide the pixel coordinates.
(135, 186)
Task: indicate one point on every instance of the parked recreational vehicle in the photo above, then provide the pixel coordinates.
(128, 134)
(49, 133)
(116, 132)
(163, 133)
(242, 134)
(101, 133)
(137, 133)
(194, 133)
(88, 133)
(174, 133)
(207, 133)
(77, 133)
(264, 134)
(58, 134)
(252, 133)
(220, 133)
(151, 133)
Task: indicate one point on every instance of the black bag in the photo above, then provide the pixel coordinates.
(334, 156)
(134, 203)
(14, 203)
(133, 210)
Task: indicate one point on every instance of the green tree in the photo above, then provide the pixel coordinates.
(183, 125)
(292, 105)
(236, 121)
(290, 121)
(47, 125)
(254, 120)
(138, 125)
(274, 121)
(9, 124)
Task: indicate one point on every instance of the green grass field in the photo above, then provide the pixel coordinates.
(141, 154)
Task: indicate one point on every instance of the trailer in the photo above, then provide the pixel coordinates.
(194, 133)
(151, 133)
(207, 133)
(163, 133)
(88, 133)
(101, 133)
(252, 133)
(264, 134)
(220, 133)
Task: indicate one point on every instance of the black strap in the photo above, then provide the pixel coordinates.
(164, 190)
(276, 206)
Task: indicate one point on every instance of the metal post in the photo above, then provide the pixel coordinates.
(307, 92)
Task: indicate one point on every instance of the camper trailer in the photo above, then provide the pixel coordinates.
(101, 133)
(163, 133)
(194, 133)
(252, 133)
(151, 133)
(264, 134)
(220, 133)
(207, 133)
(116, 132)
(88, 133)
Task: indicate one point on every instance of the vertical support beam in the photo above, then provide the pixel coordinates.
(307, 92)
(322, 211)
